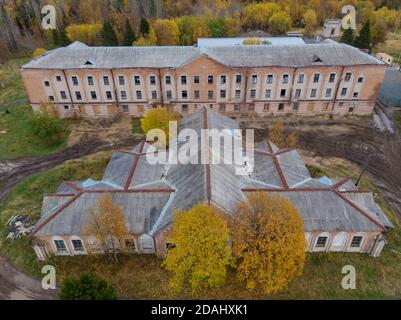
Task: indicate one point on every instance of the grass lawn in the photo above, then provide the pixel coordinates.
(143, 277)
(26, 198)
(11, 86)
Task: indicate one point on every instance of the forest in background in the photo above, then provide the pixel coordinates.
(177, 22)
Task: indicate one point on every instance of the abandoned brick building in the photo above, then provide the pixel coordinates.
(308, 79)
(337, 216)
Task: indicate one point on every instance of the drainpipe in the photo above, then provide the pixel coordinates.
(68, 88)
(161, 88)
(115, 89)
(337, 88)
(292, 84)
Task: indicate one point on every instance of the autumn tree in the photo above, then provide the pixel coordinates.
(279, 23)
(149, 39)
(268, 242)
(217, 27)
(200, 253)
(192, 28)
(158, 118)
(280, 138)
(167, 32)
(38, 52)
(348, 37)
(107, 225)
(129, 34)
(310, 21)
(89, 34)
(257, 15)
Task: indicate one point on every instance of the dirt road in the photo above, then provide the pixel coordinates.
(13, 283)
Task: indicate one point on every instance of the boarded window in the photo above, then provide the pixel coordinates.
(311, 106)
(96, 109)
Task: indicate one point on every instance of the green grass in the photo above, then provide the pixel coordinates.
(16, 140)
(136, 126)
(11, 86)
(26, 199)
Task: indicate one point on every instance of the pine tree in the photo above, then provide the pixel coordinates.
(144, 26)
(348, 37)
(56, 38)
(129, 35)
(364, 40)
(109, 37)
(63, 39)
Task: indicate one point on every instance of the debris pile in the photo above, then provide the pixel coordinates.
(19, 226)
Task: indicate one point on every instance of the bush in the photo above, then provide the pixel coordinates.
(38, 52)
(47, 128)
(87, 287)
(315, 172)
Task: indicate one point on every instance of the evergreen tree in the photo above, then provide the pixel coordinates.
(63, 39)
(348, 37)
(144, 26)
(109, 37)
(56, 38)
(364, 40)
(129, 35)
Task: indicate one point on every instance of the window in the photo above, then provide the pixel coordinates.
(316, 78)
(93, 95)
(268, 93)
(152, 80)
(356, 241)
(209, 79)
(184, 107)
(332, 77)
(285, 78)
(109, 95)
(222, 94)
(196, 79)
(137, 80)
(282, 93)
(121, 80)
(63, 95)
(222, 107)
(311, 106)
(253, 94)
(74, 81)
(237, 94)
(196, 94)
(106, 81)
(295, 106)
(238, 78)
(168, 79)
(184, 80)
(140, 109)
(223, 79)
(123, 95)
(78, 95)
(60, 245)
(154, 94)
(297, 93)
(125, 108)
(58, 78)
(47, 84)
(351, 109)
(51, 98)
(281, 107)
(313, 93)
(184, 94)
(77, 245)
(341, 104)
(66, 107)
(325, 106)
(343, 91)
(269, 78)
(328, 93)
(237, 107)
(169, 94)
(347, 76)
(139, 95)
(356, 94)
(254, 79)
(210, 94)
(90, 80)
(321, 242)
(360, 79)
(301, 78)
(266, 107)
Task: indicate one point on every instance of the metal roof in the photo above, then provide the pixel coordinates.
(150, 194)
(76, 56)
(224, 42)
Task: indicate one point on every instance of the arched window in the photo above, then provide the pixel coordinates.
(60, 246)
(339, 242)
(357, 242)
(77, 245)
(146, 243)
(322, 240)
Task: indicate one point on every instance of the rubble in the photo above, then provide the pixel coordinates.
(18, 226)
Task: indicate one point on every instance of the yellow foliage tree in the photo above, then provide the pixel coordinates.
(148, 40)
(278, 136)
(158, 118)
(279, 23)
(310, 20)
(167, 32)
(200, 254)
(88, 33)
(252, 41)
(257, 15)
(38, 52)
(108, 225)
(268, 242)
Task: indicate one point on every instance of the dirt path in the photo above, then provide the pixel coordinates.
(13, 283)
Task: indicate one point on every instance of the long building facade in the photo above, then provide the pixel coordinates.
(310, 79)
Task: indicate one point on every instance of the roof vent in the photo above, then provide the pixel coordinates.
(316, 59)
(89, 63)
